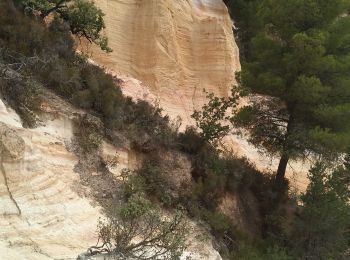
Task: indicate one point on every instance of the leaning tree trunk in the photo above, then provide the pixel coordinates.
(282, 166)
(281, 170)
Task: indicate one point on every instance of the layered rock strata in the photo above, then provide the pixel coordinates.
(176, 48)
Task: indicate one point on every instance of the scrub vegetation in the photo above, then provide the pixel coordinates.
(300, 67)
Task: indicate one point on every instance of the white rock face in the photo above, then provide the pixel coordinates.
(45, 210)
(41, 214)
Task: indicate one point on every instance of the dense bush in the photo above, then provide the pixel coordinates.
(135, 227)
(247, 23)
(322, 227)
(28, 51)
(155, 183)
(253, 252)
(88, 134)
(21, 93)
(137, 230)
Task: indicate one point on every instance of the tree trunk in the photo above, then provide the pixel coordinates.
(282, 166)
(281, 171)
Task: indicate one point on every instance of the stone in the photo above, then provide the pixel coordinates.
(11, 144)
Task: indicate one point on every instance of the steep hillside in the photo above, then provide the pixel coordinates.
(48, 208)
(169, 51)
(92, 168)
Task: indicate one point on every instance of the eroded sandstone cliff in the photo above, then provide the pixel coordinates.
(176, 48)
(41, 214)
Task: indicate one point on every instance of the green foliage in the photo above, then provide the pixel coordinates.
(27, 51)
(138, 219)
(147, 117)
(213, 115)
(154, 182)
(219, 223)
(247, 251)
(21, 35)
(63, 77)
(84, 18)
(247, 23)
(232, 171)
(99, 93)
(137, 230)
(24, 96)
(298, 65)
(17, 86)
(260, 119)
(322, 227)
(190, 141)
(88, 133)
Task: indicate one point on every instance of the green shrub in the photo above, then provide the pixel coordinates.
(84, 18)
(137, 230)
(249, 251)
(88, 133)
(190, 141)
(219, 223)
(100, 93)
(62, 77)
(154, 180)
(209, 190)
(22, 94)
(22, 34)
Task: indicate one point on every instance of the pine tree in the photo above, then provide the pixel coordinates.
(322, 229)
(298, 73)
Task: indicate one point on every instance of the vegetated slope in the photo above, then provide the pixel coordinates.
(177, 48)
(49, 208)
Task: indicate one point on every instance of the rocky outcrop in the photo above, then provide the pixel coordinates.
(176, 48)
(48, 209)
(11, 151)
(11, 145)
(41, 214)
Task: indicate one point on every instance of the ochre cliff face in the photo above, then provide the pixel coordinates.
(176, 48)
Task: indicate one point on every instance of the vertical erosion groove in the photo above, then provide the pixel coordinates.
(2, 169)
